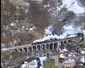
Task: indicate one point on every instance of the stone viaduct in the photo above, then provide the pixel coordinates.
(47, 47)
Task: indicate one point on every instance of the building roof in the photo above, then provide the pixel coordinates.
(62, 56)
(70, 61)
(27, 60)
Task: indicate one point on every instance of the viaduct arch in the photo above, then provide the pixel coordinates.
(47, 47)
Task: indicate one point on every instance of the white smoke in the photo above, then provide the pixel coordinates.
(68, 30)
(71, 29)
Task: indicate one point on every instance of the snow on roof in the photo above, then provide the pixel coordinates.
(82, 52)
(64, 49)
(62, 56)
(72, 54)
(69, 54)
(24, 65)
(73, 5)
(82, 59)
(70, 61)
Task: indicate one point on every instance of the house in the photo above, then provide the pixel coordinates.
(26, 63)
(63, 55)
(32, 62)
(70, 63)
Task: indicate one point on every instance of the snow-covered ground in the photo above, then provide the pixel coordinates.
(71, 29)
(72, 5)
(42, 59)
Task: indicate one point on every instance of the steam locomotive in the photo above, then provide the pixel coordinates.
(55, 39)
